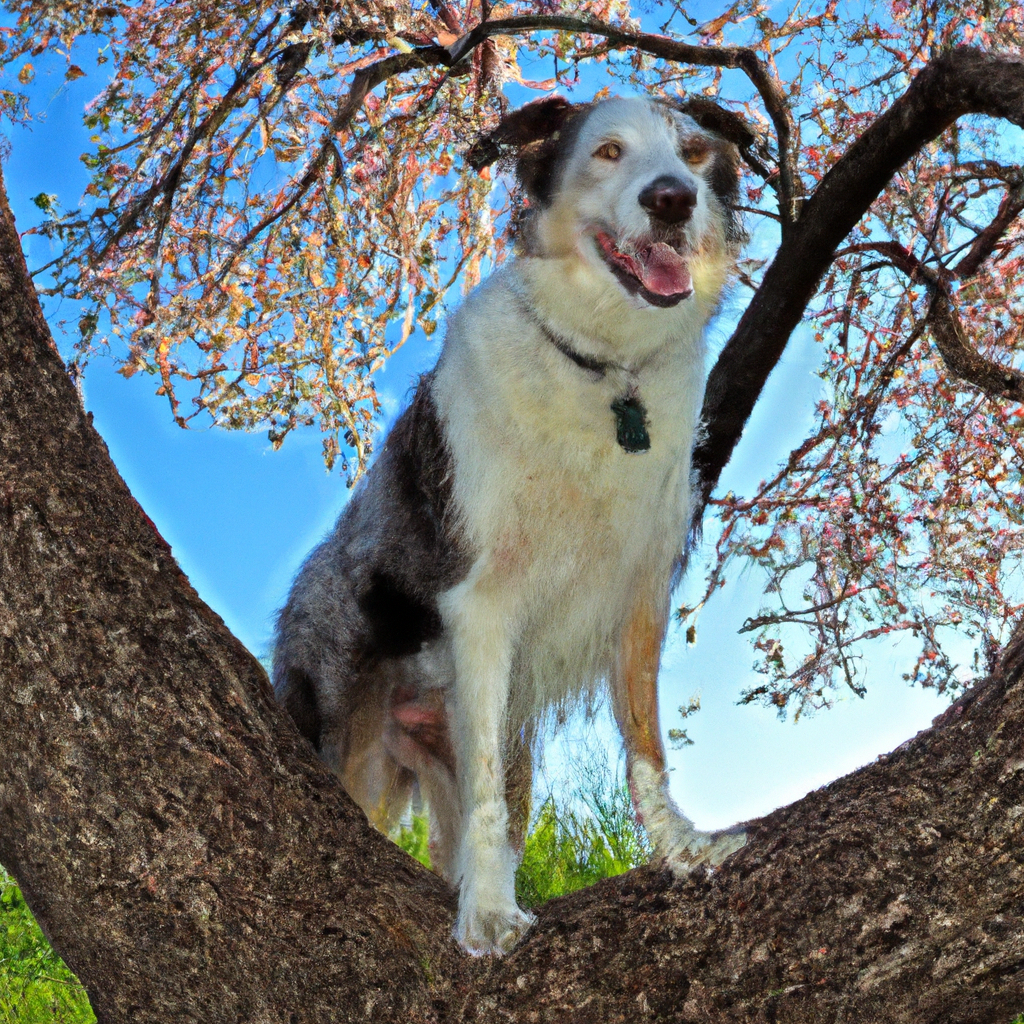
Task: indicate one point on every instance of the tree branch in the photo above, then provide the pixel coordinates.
(959, 355)
(960, 82)
(961, 358)
(166, 185)
(363, 82)
(149, 785)
(191, 859)
(1009, 209)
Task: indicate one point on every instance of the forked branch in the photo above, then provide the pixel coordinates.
(959, 82)
(1009, 210)
(962, 359)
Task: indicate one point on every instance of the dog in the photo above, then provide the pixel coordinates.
(514, 546)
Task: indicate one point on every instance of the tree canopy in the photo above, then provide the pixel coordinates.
(279, 198)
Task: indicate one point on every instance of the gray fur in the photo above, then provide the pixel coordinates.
(367, 595)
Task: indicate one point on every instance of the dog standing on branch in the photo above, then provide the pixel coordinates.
(514, 547)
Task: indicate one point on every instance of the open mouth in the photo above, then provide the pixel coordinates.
(657, 272)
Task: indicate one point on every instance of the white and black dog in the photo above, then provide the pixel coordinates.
(515, 543)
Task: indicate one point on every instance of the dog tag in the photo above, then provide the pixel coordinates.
(631, 424)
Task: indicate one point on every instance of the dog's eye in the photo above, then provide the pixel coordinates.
(609, 151)
(696, 151)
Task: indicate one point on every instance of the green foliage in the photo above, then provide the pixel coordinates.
(573, 841)
(46, 201)
(35, 985)
(585, 834)
(414, 839)
(577, 843)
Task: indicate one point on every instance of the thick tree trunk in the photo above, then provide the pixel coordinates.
(191, 860)
(178, 842)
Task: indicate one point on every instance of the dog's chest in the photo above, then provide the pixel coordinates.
(558, 500)
(559, 514)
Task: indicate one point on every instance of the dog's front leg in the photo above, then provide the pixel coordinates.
(635, 700)
(480, 624)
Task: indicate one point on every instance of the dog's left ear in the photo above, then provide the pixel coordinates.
(531, 123)
(710, 116)
(736, 137)
(530, 137)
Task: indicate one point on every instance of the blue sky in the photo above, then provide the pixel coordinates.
(240, 517)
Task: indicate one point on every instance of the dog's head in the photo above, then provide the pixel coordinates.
(637, 187)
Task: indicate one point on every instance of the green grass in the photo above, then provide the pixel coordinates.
(572, 843)
(414, 839)
(35, 985)
(576, 842)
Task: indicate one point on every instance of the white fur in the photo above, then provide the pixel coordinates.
(675, 839)
(567, 526)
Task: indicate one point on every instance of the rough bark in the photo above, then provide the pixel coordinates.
(895, 895)
(190, 858)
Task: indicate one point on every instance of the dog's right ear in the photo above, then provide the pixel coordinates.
(529, 137)
(534, 122)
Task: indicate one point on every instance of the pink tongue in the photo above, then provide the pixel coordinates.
(662, 270)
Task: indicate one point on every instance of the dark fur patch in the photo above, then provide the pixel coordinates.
(423, 471)
(298, 697)
(724, 179)
(535, 139)
(733, 134)
(531, 123)
(419, 553)
(369, 592)
(726, 123)
(399, 622)
(538, 165)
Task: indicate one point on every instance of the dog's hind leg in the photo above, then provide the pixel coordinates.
(437, 785)
(419, 738)
(635, 703)
(372, 775)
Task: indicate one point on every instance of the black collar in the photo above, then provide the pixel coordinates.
(598, 366)
(630, 413)
(584, 362)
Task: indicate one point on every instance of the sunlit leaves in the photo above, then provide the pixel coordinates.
(258, 235)
(900, 514)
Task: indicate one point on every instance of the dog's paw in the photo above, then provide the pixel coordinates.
(491, 932)
(683, 847)
(689, 849)
(490, 921)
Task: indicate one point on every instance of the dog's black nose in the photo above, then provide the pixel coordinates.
(669, 199)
